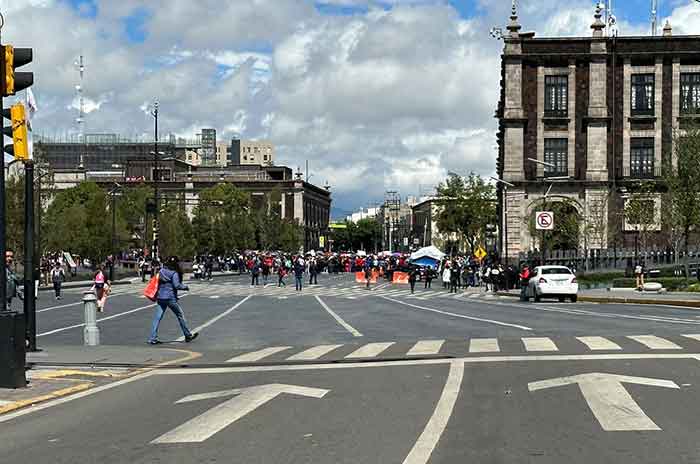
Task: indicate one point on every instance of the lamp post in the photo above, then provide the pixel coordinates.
(156, 178)
(113, 194)
(505, 215)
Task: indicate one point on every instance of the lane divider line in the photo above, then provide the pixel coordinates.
(218, 317)
(338, 319)
(446, 313)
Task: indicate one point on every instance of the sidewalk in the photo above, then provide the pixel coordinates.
(59, 371)
(629, 295)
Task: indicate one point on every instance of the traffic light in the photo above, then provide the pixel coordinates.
(13, 58)
(19, 148)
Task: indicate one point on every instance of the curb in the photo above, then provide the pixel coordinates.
(641, 301)
(39, 399)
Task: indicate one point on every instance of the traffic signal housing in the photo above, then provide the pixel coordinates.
(12, 58)
(19, 148)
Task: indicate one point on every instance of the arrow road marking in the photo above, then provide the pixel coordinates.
(609, 401)
(247, 400)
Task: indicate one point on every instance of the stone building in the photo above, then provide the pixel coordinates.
(250, 152)
(598, 114)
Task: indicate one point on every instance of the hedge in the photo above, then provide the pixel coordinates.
(669, 283)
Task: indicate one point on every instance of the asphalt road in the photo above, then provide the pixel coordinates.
(337, 373)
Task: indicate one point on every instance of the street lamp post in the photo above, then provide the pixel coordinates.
(505, 215)
(156, 178)
(113, 194)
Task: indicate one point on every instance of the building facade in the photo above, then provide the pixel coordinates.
(208, 150)
(583, 121)
(251, 152)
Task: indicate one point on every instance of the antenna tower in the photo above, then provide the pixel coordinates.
(654, 16)
(79, 63)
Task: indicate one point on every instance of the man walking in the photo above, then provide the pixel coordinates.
(57, 277)
(170, 279)
(299, 273)
(12, 283)
(412, 274)
(255, 274)
(313, 272)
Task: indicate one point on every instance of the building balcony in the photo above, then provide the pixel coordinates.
(653, 172)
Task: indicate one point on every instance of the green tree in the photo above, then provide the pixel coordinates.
(366, 233)
(176, 236)
(14, 198)
(567, 225)
(639, 211)
(223, 220)
(131, 209)
(78, 221)
(683, 186)
(465, 207)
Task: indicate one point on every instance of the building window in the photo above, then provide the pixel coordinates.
(690, 93)
(642, 157)
(556, 96)
(556, 153)
(642, 94)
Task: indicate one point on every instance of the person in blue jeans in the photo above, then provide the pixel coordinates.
(299, 273)
(169, 282)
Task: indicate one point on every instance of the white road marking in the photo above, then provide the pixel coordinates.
(428, 439)
(369, 350)
(425, 347)
(4, 403)
(338, 319)
(539, 344)
(609, 401)
(326, 366)
(254, 356)
(216, 318)
(63, 329)
(381, 286)
(599, 343)
(654, 342)
(692, 336)
(522, 327)
(484, 345)
(215, 297)
(313, 353)
(77, 303)
(214, 420)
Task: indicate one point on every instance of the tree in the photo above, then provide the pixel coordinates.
(131, 209)
(682, 183)
(14, 198)
(466, 207)
(566, 232)
(223, 220)
(365, 233)
(77, 222)
(176, 237)
(639, 211)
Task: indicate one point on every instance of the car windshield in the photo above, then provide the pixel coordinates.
(556, 270)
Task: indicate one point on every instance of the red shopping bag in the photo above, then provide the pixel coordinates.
(151, 290)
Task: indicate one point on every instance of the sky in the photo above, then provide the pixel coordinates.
(377, 95)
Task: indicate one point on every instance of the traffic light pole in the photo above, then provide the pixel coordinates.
(3, 217)
(29, 292)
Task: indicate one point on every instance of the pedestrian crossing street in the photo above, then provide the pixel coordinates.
(474, 346)
(353, 292)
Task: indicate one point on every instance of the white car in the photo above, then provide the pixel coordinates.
(553, 282)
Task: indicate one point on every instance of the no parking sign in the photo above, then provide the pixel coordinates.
(544, 220)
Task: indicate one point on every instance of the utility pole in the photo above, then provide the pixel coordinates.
(156, 179)
(29, 293)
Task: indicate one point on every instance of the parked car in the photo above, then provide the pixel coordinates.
(552, 282)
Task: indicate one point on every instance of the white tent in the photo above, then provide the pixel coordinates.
(430, 252)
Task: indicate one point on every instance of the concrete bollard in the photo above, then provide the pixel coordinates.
(91, 333)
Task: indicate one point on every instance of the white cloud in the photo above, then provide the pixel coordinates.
(393, 96)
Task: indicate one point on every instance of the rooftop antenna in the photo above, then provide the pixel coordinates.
(654, 9)
(79, 63)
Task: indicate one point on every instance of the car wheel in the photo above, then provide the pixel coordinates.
(561, 299)
(574, 298)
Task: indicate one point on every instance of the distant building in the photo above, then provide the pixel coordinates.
(193, 157)
(208, 150)
(250, 152)
(364, 213)
(425, 228)
(221, 153)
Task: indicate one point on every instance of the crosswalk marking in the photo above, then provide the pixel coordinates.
(313, 353)
(258, 355)
(426, 347)
(370, 350)
(484, 345)
(598, 343)
(539, 344)
(654, 342)
(693, 336)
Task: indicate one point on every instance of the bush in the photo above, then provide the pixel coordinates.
(669, 283)
(599, 280)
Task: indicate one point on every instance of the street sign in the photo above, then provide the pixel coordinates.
(405, 241)
(321, 241)
(480, 253)
(544, 220)
(219, 417)
(610, 403)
